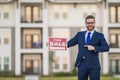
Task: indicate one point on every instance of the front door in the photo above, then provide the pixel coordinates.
(115, 66)
(31, 66)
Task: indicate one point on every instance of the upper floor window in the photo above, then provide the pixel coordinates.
(56, 9)
(85, 14)
(114, 13)
(5, 1)
(6, 36)
(6, 9)
(56, 15)
(94, 14)
(0, 40)
(65, 15)
(65, 61)
(56, 62)
(115, 38)
(6, 41)
(32, 38)
(60, 11)
(0, 63)
(6, 15)
(0, 15)
(31, 14)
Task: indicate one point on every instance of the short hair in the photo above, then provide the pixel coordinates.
(88, 17)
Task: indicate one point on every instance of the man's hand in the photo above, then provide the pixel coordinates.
(90, 47)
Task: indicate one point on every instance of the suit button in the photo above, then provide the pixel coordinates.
(83, 57)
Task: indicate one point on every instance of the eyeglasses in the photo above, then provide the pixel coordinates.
(90, 22)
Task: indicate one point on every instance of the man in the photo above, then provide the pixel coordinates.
(90, 43)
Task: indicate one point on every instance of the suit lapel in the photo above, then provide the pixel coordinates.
(84, 37)
(93, 37)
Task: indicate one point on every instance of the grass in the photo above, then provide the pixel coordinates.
(55, 78)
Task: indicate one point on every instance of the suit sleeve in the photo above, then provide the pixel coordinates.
(103, 45)
(73, 41)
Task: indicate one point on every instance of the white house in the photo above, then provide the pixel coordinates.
(26, 25)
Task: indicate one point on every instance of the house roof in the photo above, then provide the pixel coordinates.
(6, 1)
(75, 1)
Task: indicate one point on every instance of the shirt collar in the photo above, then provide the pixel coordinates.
(91, 31)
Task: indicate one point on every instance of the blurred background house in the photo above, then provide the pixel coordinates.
(26, 25)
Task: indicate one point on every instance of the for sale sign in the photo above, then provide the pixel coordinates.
(57, 44)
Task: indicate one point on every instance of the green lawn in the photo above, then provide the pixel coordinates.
(57, 78)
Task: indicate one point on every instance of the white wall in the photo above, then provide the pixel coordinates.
(5, 49)
(75, 14)
(10, 8)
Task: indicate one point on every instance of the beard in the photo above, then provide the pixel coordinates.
(90, 28)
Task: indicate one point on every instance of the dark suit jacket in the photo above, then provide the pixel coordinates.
(91, 57)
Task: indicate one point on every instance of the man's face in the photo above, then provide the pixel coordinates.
(90, 24)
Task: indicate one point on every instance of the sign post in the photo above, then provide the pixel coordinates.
(57, 44)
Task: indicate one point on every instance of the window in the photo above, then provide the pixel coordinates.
(32, 66)
(65, 60)
(32, 38)
(118, 66)
(0, 15)
(85, 14)
(0, 40)
(6, 36)
(6, 41)
(65, 66)
(94, 14)
(36, 66)
(115, 38)
(64, 15)
(6, 63)
(0, 63)
(57, 62)
(56, 14)
(32, 14)
(118, 14)
(6, 15)
(56, 9)
(33, 41)
(119, 40)
(115, 66)
(114, 13)
(28, 41)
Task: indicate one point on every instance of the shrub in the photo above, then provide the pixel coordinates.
(60, 74)
(7, 74)
(75, 72)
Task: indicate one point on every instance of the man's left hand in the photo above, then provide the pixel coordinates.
(90, 47)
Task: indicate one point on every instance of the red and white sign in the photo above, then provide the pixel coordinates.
(57, 44)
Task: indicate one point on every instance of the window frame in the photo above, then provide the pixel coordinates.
(31, 36)
(6, 63)
(117, 40)
(116, 13)
(6, 15)
(32, 13)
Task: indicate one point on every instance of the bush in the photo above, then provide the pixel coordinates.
(7, 74)
(60, 74)
(75, 72)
